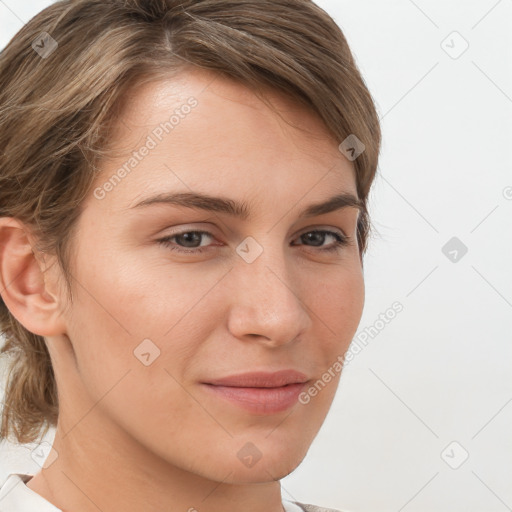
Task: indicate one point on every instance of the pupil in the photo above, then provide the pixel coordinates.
(189, 235)
(314, 235)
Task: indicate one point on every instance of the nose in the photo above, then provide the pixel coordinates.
(266, 300)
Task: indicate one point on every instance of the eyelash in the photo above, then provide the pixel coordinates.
(341, 241)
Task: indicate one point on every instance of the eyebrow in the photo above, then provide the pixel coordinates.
(240, 209)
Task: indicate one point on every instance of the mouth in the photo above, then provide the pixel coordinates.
(259, 392)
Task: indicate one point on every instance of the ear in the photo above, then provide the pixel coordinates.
(34, 303)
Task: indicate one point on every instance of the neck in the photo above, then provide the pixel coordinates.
(99, 468)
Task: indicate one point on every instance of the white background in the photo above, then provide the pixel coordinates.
(440, 371)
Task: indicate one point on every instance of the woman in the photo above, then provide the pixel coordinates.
(183, 219)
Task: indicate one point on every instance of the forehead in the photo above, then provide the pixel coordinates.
(210, 132)
(152, 100)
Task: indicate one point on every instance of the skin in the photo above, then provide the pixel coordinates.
(133, 437)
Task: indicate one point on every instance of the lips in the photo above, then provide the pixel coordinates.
(261, 379)
(261, 393)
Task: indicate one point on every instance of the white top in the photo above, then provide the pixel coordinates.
(15, 496)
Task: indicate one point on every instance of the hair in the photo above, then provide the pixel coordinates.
(58, 113)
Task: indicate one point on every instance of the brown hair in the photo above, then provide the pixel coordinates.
(57, 110)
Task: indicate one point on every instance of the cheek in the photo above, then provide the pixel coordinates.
(138, 311)
(130, 370)
(336, 307)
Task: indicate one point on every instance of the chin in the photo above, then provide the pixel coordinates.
(262, 463)
(263, 471)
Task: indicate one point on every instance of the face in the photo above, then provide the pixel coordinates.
(171, 298)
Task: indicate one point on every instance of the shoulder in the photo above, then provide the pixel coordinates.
(313, 508)
(16, 496)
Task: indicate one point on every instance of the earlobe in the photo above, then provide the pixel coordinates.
(22, 282)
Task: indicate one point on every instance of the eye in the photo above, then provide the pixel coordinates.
(189, 237)
(317, 236)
